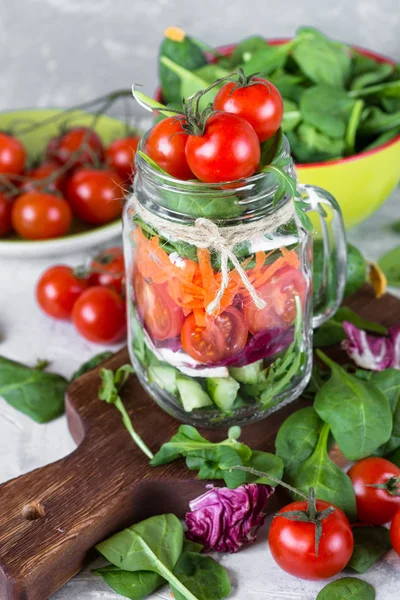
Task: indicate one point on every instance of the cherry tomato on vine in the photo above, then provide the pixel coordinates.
(120, 155)
(279, 293)
(395, 532)
(258, 101)
(5, 215)
(163, 319)
(95, 196)
(12, 155)
(217, 339)
(107, 269)
(43, 178)
(39, 216)
(165, 144)
(99, 315)
(376, 506)
(58, 289)
(83, 142)
(292, 543)
(227, 150)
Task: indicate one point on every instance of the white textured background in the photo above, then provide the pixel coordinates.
(61, 52)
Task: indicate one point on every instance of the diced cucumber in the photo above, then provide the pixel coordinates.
(192, 394)
(248, 373)
(223, 391)
(164, 376)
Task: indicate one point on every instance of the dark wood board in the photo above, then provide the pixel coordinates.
(51, 518)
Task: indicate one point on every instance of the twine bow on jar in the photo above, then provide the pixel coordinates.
(207, 234)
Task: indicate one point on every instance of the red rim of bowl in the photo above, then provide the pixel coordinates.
(380, 58)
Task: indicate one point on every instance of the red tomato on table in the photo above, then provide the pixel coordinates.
(292, 543)
(395, 532)
(375, 506)
(107, 269)
(221, 337)
(163, 319)
(99, 315)
(58, 289)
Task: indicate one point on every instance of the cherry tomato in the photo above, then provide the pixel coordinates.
(5, 215)
(228, 149)
(99, 315)
(47, 172)
(163, 319)
(120, 155)
(395, 532)
(39, 216)
(279, 293)
(12, 155)
(82, 142)
(292, 543)
(375, 506)
(260, 103)
(57, 291)
(95, 196)
(221, 337)
(165, 144)
(108, 269)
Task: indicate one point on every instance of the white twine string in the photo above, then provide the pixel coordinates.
(207, 234)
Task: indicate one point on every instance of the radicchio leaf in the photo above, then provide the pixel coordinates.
(223, 520)
(375, 353)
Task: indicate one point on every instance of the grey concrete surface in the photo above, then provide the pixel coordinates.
(61, 52)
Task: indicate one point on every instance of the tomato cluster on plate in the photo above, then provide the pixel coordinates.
(222, 144)
(76, 177)
(91, 297)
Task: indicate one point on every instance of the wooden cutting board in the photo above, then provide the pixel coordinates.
(51, 518)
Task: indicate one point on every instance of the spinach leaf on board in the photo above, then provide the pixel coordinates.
(297, 438)
(370, 544)
(322, 60)
(32, 391)
(332, 332)
(266, 462)
(347, 588)
(328, 480)
(90, 364)
(357, 411)
(152, 545)
(327, 108)
(388, 382)
(134, 585)
(202, 575)
(390, 265)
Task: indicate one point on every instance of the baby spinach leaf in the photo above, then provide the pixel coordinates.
(395, 457)
(269, 148)
(328, 480)
(390, 265)
(201, 204)
(246, 48)
(327, 108)
(266, 462)
(388, 382)
(267, 59)
(291, 115)
(387, 88)
(370, 544)
(352, 126)
(297, 437)
(321, 59)
(357, 411)
(92, 363)
(152, 545)
(378, 73)
(290, 86)
(203, 576)
(348, 588)
(309, 145)
(332, 331)
(134, 585)
(375, 120)
(34, 392)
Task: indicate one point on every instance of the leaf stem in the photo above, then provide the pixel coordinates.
(172, 580)
(128, 424)
(271, 477)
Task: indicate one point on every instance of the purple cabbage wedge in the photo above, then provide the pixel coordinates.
(224, 520)
(375, 353)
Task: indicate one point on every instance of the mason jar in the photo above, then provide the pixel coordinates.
(219, 292)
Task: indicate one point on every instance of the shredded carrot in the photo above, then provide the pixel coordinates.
(207, 274)
(291, 257)
(200, 317)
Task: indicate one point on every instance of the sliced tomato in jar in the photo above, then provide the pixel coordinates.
(163, 319)
(279, 293)
(219, 338)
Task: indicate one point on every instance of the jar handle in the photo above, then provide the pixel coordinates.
(333, 279)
